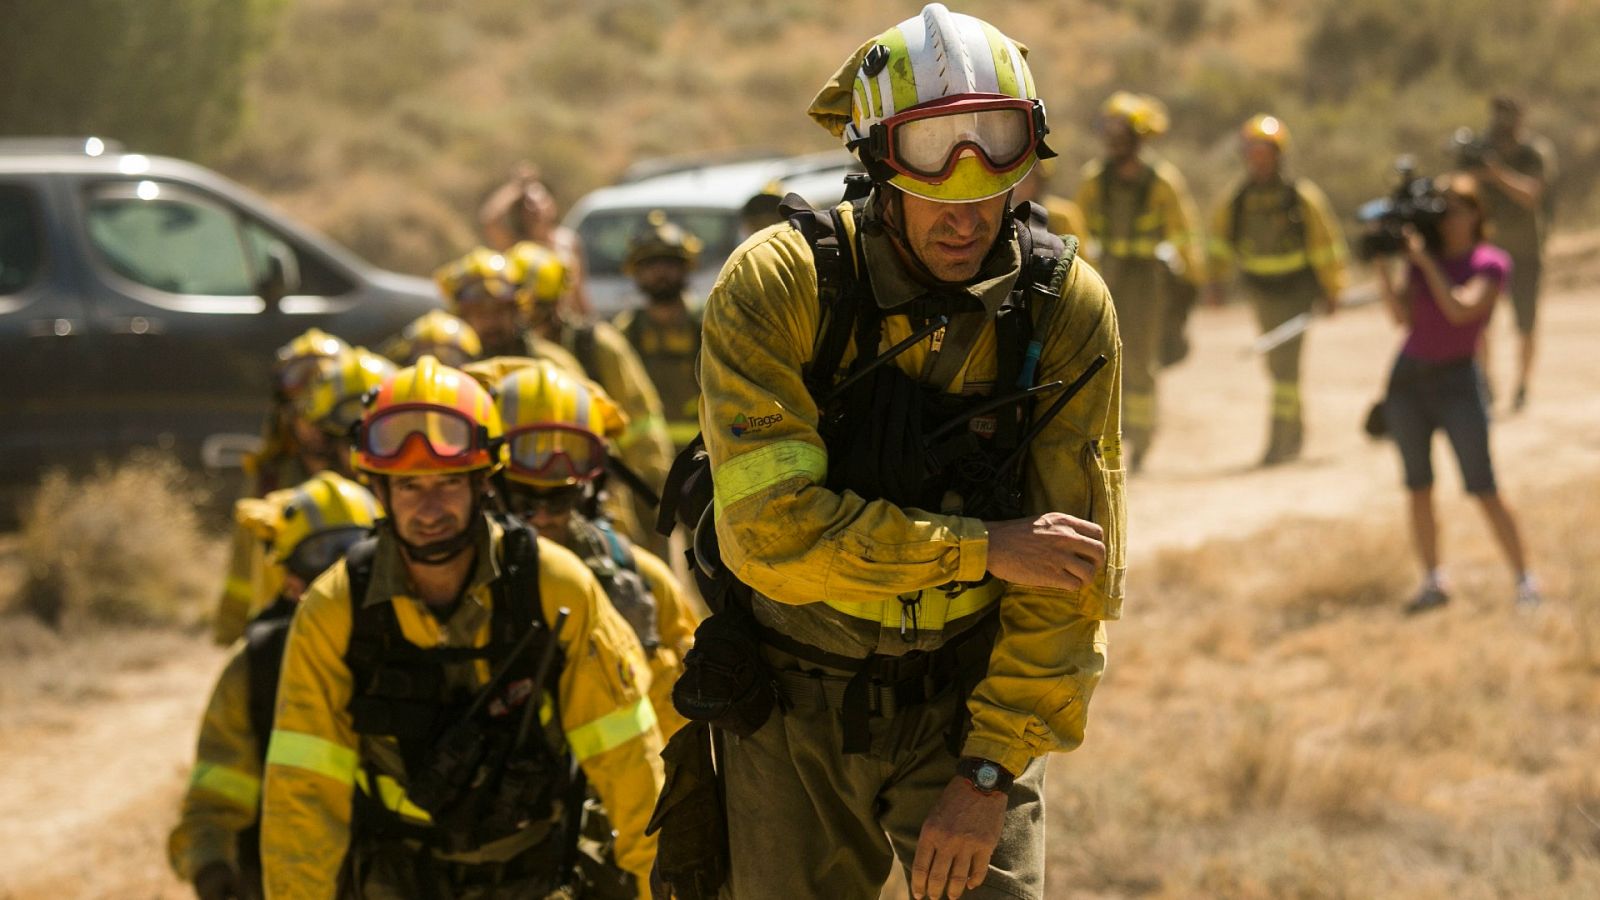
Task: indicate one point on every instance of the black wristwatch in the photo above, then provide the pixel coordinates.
(987, 776)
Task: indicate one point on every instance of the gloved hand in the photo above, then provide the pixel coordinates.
(218, 881)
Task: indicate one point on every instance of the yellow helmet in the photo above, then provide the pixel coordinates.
(942, 106)
(660, 239)
(308, 527)
(557, 425)
(429, 419)
(438, 334)
(295, 361)
(480, 275)
(541, 278)
(1144, 115)
(335, 393)
(1266, 128)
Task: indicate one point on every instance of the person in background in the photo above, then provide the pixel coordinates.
(761, 210)
(1514, 177)
(523, 209)
(1281, 235)
(302, 530)
(1451, 283)
(1142, 226)
(665, 331)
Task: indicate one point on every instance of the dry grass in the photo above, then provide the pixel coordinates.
(1273, 727)
(124, 545)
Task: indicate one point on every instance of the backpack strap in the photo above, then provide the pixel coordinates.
(265, 638)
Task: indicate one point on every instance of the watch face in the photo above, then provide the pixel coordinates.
(988, 775)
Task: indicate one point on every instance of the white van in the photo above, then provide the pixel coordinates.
(703, 197)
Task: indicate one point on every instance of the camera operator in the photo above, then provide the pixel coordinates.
(1451, 282)
(1515, 171)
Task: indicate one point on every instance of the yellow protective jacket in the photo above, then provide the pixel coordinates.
(224, 790)
(828, 567)
(668, 354)
(676, 620)
(1167, 222)
(314, 755)
(1066, 216)
(1284, 227)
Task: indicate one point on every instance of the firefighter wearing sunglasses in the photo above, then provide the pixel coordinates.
(483, 289)
(301, 532)
(921, 520)
(325, 408)
(558, 429)
(452, 689)
(1145, 239)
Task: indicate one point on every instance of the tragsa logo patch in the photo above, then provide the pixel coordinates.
(743, 424)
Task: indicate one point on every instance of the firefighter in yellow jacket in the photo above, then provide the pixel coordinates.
(605, 357)
(1143, 230)
(926, 573)
(558, 427)
(665, 331)
(1286, 243)
(325, 405)
(304, 529)
(428, 725)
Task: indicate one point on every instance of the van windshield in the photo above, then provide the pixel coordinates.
(606, 233)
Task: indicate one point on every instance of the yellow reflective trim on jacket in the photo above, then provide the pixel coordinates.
(751, 473)
(1138, 248)
(934, 607)
(612, 730)
(238, 587)
(393, 797)
(1275, 264)
(314, 754)
(241, 788)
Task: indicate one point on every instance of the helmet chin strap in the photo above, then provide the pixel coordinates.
(436, 553)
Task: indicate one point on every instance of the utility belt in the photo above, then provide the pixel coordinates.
(1281, 282)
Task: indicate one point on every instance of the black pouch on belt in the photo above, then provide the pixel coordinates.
(692, 851)
(725, 680)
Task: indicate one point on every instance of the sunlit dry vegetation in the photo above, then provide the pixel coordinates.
(1273, 727)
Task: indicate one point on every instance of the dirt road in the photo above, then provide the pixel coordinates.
(95, 738)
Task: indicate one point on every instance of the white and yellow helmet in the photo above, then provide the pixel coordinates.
(942, 106)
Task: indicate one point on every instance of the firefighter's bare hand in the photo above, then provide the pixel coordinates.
(957, 840)
(1054, 550)
(218, 881)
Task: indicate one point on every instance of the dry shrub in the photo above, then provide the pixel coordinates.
(123, 545)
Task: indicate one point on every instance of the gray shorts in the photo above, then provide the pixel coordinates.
(1426, 397)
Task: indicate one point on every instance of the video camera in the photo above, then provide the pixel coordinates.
(1470, 149)
(1415, 202)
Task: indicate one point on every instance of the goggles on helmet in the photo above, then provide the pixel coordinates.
(485, 289)
(925, 143)
(312, 556)
(451, 437)
(554, 452)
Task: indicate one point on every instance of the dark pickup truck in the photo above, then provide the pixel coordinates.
(141, 300)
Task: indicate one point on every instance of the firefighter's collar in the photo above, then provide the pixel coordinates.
(893, 286)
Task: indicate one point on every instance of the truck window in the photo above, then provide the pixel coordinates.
(21, 250)
(307, 274)
(169, 240)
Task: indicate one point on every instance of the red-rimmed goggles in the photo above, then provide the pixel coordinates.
(925, 143)
(450, 437)
(553, 452)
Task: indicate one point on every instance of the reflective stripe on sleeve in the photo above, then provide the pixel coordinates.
(238, 587)
(240, 788)
(1277, 264)
(612, 729)
(314, 754)
(753, 472)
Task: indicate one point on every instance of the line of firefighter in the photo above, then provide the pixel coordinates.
(1145, 236)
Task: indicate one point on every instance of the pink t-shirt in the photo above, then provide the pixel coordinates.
(1433, 338)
